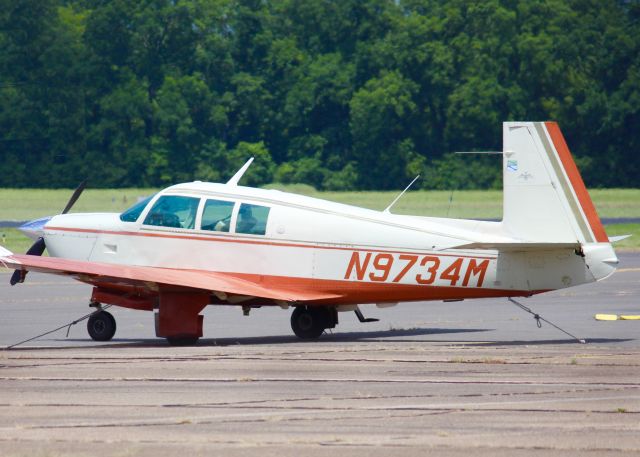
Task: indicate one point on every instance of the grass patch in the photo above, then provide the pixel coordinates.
(616, 202)
(438, 203)
(482, 204)
(13, 240)
(27, 204)
(462, 204)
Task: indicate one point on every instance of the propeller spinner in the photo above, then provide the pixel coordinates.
(39, 246)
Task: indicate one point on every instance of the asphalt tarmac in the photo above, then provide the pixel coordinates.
(451, 378)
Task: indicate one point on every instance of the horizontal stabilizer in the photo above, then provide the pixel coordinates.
(513, 247)
(615, 239)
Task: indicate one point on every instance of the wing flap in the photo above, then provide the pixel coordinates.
(95, 272)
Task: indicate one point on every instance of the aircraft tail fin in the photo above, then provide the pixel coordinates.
(545, 199)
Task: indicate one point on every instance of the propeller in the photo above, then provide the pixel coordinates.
(38, 247)
(74, 196)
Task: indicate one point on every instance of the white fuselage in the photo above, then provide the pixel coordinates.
(318, 242)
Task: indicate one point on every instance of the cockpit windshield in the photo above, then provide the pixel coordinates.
(133, 213)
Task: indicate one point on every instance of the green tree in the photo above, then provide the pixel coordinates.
(381, 112)
(341, 94)
(118, 147)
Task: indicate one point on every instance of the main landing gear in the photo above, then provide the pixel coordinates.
(309, 322)
(101, 326)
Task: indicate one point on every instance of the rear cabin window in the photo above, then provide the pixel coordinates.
(173, 211)
(252, 219)
(216, 215)
(133, 213)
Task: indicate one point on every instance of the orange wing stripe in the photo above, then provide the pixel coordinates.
(91, 272)
(576, 182)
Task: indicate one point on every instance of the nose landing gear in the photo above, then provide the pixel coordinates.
(101, 326)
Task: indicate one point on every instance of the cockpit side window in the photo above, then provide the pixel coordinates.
(216, 215)
(132, 214)
(173, 211)
(252, 219)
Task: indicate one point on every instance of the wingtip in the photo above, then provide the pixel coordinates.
(5, 252)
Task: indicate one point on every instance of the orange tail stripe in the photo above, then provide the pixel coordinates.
(576, 182)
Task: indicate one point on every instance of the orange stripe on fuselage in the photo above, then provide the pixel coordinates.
(266, 242)
(576, 182)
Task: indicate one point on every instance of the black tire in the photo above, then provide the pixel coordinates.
(182, 340)
(101, 326)
(309, 323)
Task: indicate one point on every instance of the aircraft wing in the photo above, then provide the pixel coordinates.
(154, 278)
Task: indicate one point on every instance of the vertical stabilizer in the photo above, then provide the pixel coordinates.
(545, 199)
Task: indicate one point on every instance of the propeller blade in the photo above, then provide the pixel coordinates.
(16, 277)
(74, 197)
(36, 248)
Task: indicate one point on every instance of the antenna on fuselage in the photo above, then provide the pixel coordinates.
(386, 210)
(234, 180)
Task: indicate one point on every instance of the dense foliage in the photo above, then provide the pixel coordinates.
(340, 94)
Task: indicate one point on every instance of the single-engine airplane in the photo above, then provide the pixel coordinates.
(197, 244)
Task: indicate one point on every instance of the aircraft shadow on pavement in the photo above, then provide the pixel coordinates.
(388, 336)
(382, 336)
